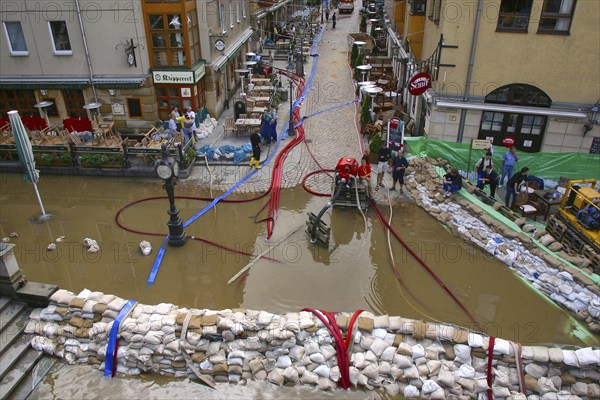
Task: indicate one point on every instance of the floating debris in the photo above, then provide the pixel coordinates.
(91, 245)
(6, 239)
(145, 247)
(59, 239)
(14, 235)
(51, 246)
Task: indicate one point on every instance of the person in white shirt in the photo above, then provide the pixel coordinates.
(250, 88)
(190, 113)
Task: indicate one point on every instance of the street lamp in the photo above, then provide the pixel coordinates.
(41, 105)
(362, 86)
(167, 169)
(242, 73)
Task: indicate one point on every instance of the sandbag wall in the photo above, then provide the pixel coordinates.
(563, 284)
(402, 356)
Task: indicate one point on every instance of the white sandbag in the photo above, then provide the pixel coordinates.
(322, 371)
(570, 358)
(418, 351)
(466, 371)
(546, 385)
(371, 371)
(276, 377)
(579, 389)
(586, 356)
(500, 391)
(396, 372)
(402, 361)
(291, 374)
(502, 346)
(429, 386)
(311, 347)
(325, 384)
(475, 340)
(284, 362)
(371, 357)
(354, 374)
(378, 346)
(317, 358)
(411, 391)
(393, 389)
(481, 384)
(438, 394)
(388, 354)
(309, 377)
(446, 378)
(433, 366)
(462, 354)
(468, 384)
(411, 372)
(44, 344)
(536, 370)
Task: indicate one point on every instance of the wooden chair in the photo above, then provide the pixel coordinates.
(229, 125)
(243, 116)
(529, 207)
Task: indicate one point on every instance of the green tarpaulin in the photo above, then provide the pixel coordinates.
(544, 165)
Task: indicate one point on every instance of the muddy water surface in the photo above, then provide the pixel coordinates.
(354, 273)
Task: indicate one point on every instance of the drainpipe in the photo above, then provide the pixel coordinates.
(463, 112)
(85, 48)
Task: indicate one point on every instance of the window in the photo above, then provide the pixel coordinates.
(135, 108)
(527, 129)
(556, 16)
(418, 7)
(74, 102)
(193, 36)
(514, 15)
(222, 17)
(60, 38)
(16, 39)
(244, 8)
(237, 11)
(168, 96)
(168, 40)
(22, 100)
(436, 7)
(231, 14)
(51, 111)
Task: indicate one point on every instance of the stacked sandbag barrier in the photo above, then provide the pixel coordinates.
(565, 285)
(400, 355)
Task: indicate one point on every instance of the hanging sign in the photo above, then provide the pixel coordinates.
(419, 83)
(509, 141)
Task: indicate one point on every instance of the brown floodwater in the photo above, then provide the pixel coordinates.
(354, 273)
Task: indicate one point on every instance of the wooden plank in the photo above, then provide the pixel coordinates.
(255, 260)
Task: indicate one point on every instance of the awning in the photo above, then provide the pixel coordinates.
(38, 83)
(231, 50)
(119, 82)
(511, 109)
(45, 83)
(263, 13)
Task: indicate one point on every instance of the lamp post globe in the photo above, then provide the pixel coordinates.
(167, 169)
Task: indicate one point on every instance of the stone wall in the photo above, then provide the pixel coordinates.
(399, 355)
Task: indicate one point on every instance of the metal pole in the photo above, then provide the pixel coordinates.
(291, 126)
(85, 48)
(39, 198)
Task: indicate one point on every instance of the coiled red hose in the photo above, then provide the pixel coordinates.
(309, 190)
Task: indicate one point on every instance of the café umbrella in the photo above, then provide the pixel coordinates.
(25, 151)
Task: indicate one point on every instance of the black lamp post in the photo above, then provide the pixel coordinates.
(168, 169)
(291, 130)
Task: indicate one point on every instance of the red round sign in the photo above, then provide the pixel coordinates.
(419, 83)
(509, 141)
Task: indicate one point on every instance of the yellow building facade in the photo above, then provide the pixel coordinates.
(522, 69)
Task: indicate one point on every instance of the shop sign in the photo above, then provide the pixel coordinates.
(419, 83)
(509, 141)
(199, 72)
(186, 92)
(173, 77)
(480, 144)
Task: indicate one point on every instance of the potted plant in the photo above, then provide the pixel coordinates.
(52, 159)
(353, 55)
(363, 24)
(374, 148)
(365, 111)
(101, 160)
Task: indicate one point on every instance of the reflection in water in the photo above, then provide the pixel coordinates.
(354, 273)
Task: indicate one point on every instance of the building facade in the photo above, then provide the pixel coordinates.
(522, 70)
(73, 53)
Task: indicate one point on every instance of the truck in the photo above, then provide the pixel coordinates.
(346, 6)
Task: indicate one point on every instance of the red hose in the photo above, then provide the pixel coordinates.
(309, 190)
(120, 225)
(342, 356)
(489, 367)
(433, 274)
(350, 328)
